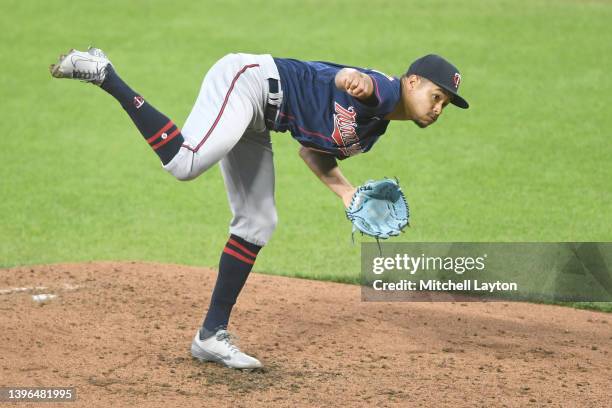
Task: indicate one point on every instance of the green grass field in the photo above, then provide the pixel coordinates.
(529, 161)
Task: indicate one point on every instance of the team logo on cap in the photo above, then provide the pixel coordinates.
(457, 80)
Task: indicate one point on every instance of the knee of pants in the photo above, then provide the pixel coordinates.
(181, 166)
(256, 229)
(267, 230)
(182, 174)
(272, 223)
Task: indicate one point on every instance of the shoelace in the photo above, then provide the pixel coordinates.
(225, 336)
(85, 74)
(82, 74)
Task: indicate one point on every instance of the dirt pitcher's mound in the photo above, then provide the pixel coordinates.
(120, 333)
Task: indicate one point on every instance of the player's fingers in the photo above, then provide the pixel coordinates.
(361, 83)
(347, 83)
(365, 85)
(359, 88)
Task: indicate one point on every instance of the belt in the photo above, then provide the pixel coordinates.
(275, 98)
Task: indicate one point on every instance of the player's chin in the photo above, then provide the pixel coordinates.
(421, 123)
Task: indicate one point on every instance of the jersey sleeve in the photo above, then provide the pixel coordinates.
(387, 92)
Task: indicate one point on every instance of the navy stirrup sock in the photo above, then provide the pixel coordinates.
(235, 265)
(159, 131)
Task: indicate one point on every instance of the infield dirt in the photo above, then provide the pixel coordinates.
(120, 333)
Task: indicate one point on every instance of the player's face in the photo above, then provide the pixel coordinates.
(424, 101)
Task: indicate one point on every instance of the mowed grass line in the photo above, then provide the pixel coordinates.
(528, 162)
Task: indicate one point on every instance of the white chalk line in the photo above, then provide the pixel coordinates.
(42, 297)
(17, 290)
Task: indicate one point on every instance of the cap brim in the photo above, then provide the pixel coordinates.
(459, 102)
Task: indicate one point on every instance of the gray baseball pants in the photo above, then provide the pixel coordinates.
(227, 125)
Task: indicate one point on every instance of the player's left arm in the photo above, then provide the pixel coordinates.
(356, 84)
(325, 167)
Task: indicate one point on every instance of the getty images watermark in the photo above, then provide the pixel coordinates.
(486, 271)
(422, 263)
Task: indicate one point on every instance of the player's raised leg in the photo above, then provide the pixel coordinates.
(93, 66)
(231, 99)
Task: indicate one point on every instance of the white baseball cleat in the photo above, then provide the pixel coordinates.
(220, 349)
(88, 66)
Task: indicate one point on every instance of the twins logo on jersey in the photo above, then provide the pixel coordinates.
(345, 130)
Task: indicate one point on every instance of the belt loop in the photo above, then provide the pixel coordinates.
(275, 98)
(272, 85)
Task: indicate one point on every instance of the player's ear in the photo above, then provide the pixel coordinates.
(413, 81)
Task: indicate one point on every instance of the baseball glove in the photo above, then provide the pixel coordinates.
(379, 209)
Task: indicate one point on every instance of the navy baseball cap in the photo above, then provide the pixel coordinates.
(442, 73)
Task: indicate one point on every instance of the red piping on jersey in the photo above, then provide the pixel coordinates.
(287, 116)
(162, 130)
(242, 248)
(222, 109)
(238, 256)
(169, 138)
(314, 133)
(305, 130)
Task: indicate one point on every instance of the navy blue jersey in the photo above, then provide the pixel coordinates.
(322, 117)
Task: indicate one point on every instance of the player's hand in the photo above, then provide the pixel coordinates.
(356, 84)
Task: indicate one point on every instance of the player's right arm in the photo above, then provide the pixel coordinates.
(325, 167)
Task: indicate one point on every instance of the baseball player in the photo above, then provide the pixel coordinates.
(333, 111)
